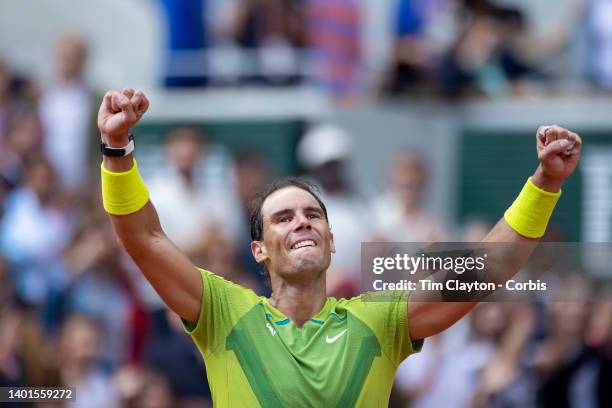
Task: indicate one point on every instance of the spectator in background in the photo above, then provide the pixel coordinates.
(378, 17)
(22, 346)
(334, 42)
(6, 106)
(67, 111)
(78, 363)
(566, 366)
(23, 145)
(6, 285)
(185, 62)
(11, 366)
(6, 114)
(447, 378)
(186, 211)
(96, 286)
(399, 215)
(507, 379)
(464, 66)
(252, 174)
(599, 339)
(23, 351)
(492, 55)
(34, 232)
(17, 94)
(142, 388)
(425, 30)
(20, 128)
(172, 354)
(415, 379)
(462, 47)
(474, 230)
(599, 31)
(156, 392)
(272, 31)
(324, 153)
(514, 58)
(220, 254)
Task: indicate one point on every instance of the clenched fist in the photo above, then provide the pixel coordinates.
(558, 151)
(120, 110)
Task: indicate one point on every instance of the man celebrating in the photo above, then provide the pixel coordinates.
(298, 348)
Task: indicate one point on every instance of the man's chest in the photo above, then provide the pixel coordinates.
(327, 359)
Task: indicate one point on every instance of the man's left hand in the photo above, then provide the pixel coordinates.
(558, 151)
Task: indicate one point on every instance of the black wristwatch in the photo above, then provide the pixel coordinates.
(118, 151)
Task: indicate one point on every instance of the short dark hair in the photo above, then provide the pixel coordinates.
(257, 202)
(187, 132)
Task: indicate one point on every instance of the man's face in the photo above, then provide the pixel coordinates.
(297, 241)
(41, 180)
(184, 153)
(71, 54)
(407, 180)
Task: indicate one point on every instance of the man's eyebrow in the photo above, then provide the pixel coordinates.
(287, 211)
(314, 209)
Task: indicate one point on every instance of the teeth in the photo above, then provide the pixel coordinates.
(303, 244)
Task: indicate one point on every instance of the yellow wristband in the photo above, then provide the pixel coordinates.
(530, 212)
(123, 193)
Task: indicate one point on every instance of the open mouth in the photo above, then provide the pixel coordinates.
(304, 244)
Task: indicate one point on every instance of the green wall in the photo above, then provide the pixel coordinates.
(274, 140)
(494, 166)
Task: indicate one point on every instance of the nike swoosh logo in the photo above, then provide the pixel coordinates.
(331, 340)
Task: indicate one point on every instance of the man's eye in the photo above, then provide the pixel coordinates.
(284, 219)
(314, 216)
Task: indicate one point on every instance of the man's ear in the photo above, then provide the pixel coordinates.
(258, 249)
(332, 246)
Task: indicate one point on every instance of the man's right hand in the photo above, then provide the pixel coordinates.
(120, 110)
(170, 272)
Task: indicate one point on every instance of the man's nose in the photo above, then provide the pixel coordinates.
(302, 222)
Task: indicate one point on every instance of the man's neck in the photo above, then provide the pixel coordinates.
(70, 80)
(299, 302)
(188, 177)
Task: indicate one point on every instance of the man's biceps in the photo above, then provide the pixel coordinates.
(417, 319)
(427, 319)
(186, 289)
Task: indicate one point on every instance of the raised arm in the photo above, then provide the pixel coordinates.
(173, 276)
(558, 151)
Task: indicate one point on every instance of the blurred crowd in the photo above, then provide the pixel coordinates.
(75, 311)
(357, 48)
(517, 355)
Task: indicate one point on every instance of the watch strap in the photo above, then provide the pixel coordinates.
(118, 151)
